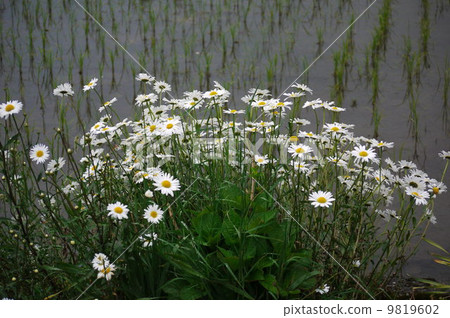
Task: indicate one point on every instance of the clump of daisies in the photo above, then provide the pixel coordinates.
(130, 174)
(101, 263)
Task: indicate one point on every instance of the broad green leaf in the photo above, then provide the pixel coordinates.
(270, 283)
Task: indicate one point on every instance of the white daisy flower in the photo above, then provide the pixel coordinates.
(234, 111)
(9, 108)
(106, 271)
(148, 239)
(406, 165)
(303, 87)
(145, 78)
(261, 160)
(171, 127)
(161, 87)
(214, 93)
(294, 95)
(63, 90)
(107, 104)
(413, 182)
(90, 85)
(39, 153)
(305, 134)
(321, 199)
(363, 154)
(118, 210)
(335, 128)
(381, 144)
(334, 108)
(300, 121)
(299, 151)
(436, 188)
(387, 214)
(55, 165)
(165, 183)
(301, 166)
(445, 155)
(143, 99)
(323, 290)
(433, 219)
(153, 214)
(99, 260)
(420, 196)
(356, 263)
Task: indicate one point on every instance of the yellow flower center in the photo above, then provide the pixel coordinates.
(293, 138)
(300, 150)
(118, 209)
(363, 153)
(233, 111)
(416, 194)
(169, 126)
(9, 107)
(260, 160)
(381, 144)
(154, 214)
(321, 200)
(39, 153)
(261, 103)
(213, 93)
(280, 104)
(152, 128)
(166, 184)
(334, 128)
(435, 190)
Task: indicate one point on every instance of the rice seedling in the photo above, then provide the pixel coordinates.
(425, 32)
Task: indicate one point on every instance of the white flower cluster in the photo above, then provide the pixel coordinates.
(102, 264)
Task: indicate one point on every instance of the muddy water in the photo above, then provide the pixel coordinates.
(242, 44)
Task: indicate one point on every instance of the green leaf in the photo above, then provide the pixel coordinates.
(208, 226)
(435, 245)
(265, 262)
(249, 247)
(179, 288)
(260, 219)
(230, 227)
(233, 196)
(270, 283)
(255, 275)
(227, 257)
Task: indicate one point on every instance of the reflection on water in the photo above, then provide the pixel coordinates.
(390, 70)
